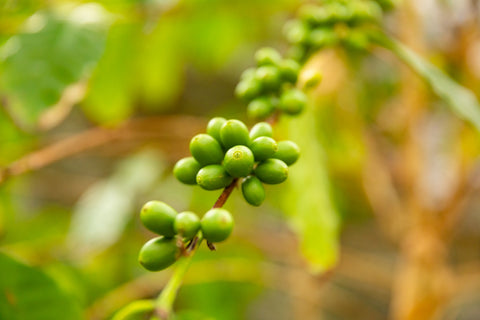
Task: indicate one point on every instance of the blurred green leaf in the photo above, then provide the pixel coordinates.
(308, 203)
(461, 100)
(160, 63)
(105, 208)
(110, 95)
(27, 293)
(52, 54)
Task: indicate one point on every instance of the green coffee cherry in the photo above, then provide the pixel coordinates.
(267, 56)
(289, 70)
(248, 74)
(216, 225)
(248, 89)
(296, 32)
(313, 14)
(158, 253)
(272, 171)
(213, 177)
(288, 152)
(157, 216)
(238, 161)
(261, 108)
(322, 37)
(261, 129)
(263, 148)
(234, 133)
(298, 53)
(253, 191)
(206, 150)
(213, 127)
(269, 77)
(292, 101)
(187, 224)
(186, 169)
(339, 12)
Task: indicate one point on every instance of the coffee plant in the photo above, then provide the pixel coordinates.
(319, 99)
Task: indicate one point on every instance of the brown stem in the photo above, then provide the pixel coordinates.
(161, 127)
(225, 194)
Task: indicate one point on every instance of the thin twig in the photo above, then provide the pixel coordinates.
(166, 126)
(225, 194)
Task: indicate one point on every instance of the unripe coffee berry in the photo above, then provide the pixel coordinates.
(269, 77)
(238, 161)
(248, 74)
(206, 150)
(289, 70)
(213, 177)
(261, 107)
(272, 171)
(214, 126)
(267, 56)
(288, 152)
(234, 133)
(158, 253)
(261, 129)
(253, 191)
(292, 101)
(263, 148)
(217, 225)
(157, 216)
(186, 169)
(248, 89)
(187, 224)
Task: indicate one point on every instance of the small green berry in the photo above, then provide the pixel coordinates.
(261, 129)
(298, 53)
(296, 32)
(322, 37)
(289, 70)
(213, 127)
(205, 149)
(313, 14)
(272, 171)
(217, 225)
(186, 169)
(248, 74)
(187, 224)
(292, 101)
(157, 216)
(213, 177)
(288, 152)
(253, 191)
(261, 108)
(234, 133)
(263, 148)
(269, 77)
(267, 56)
(158, 253)
(238, 161)
(248, 89)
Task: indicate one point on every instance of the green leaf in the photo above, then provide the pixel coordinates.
(461, 100)
(308, 203)
(53, 53)
(28, 294)
(110, 97)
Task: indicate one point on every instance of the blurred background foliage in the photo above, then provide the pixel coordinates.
(100, 98)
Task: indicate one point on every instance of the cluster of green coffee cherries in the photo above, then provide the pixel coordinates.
(270, 86)
(230, 151)
(330, 23)
(177, 232)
